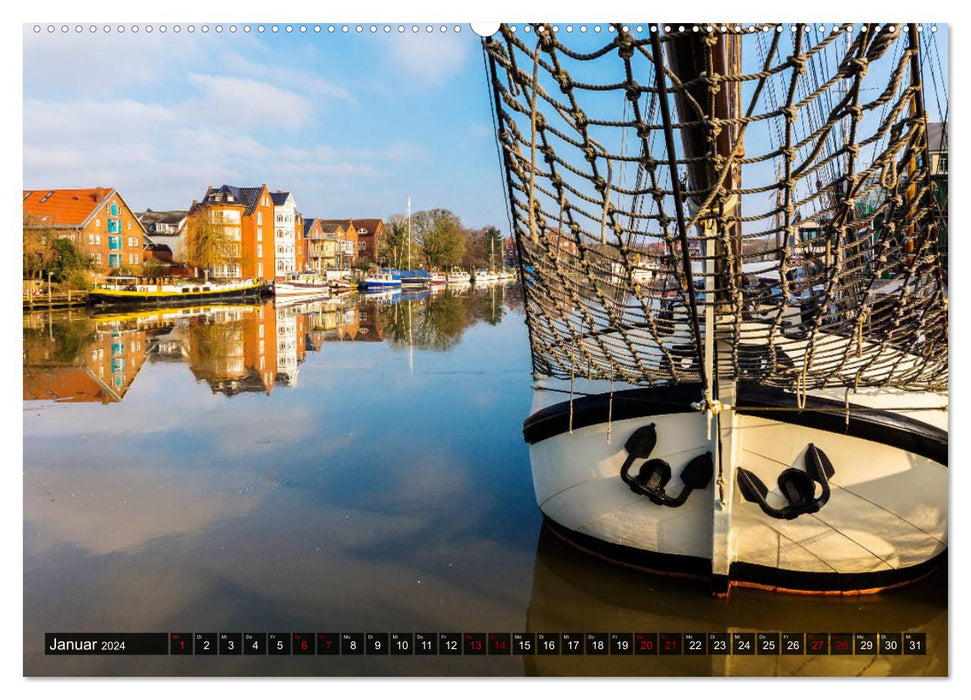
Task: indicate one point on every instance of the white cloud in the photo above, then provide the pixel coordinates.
(237, 103)
(307, 83)
(163, 116)
(163, 157)
(427, 61)
(99, 63)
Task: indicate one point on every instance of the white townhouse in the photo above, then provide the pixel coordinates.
(284, 232)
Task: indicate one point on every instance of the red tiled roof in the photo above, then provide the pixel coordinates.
(64, 207)
(68, 384)
(371, 225)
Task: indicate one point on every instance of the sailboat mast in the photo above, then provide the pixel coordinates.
(409, 233)
(917, 110)
(691, 56)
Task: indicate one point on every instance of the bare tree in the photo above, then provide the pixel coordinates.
(207, 244)
(39, 252)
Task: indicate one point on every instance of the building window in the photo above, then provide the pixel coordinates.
(259, 234)
(114, 225)
(114, 242)
(97, 223)
(361, 245)
(97, 258)
(114, 260)
(259, 273)
(129, 225)
(942, 163)
(90, 239)
(259, 251)
(114, 209)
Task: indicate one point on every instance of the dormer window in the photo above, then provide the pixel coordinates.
(46, 197)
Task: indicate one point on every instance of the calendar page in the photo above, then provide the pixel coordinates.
(485, 349)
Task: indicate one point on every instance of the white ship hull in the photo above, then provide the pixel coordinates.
(288, 290)
(884, 524)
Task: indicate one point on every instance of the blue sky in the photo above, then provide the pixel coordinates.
(351, 124)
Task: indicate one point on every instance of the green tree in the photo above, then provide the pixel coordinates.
(394, 243)
(492, 246)
(68, 260)
(206, 245)
(440, 236)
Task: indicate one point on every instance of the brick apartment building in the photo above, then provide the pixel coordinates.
(98, 221)
(246, 216)
(369, 235)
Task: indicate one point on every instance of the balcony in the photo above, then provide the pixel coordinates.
(222, 218)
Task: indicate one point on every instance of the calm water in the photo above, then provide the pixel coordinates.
(355, 465)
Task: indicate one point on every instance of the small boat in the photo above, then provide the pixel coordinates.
(384, 296)
(458, 276)
(643, 273)
(303, 286)
(382, 280)
(485, 277)
(415, 278)
(155, 290)
(438, 279)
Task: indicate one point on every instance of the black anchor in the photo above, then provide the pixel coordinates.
(798, 487)
(655, 473)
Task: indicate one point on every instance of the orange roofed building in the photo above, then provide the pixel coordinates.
(98, 221)
(245, 214)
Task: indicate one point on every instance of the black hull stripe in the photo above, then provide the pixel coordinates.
(883, 427)
(744, 573)
(95, 298)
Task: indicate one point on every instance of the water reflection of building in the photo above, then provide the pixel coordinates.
(369, 326)
(290, 344)
(329, 321)
(77, 360)
(70, 356)
(234, 349)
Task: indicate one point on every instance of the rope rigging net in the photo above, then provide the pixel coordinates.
(711, 202)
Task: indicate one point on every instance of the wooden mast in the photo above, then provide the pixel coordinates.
(692, 55)
(689, 56)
